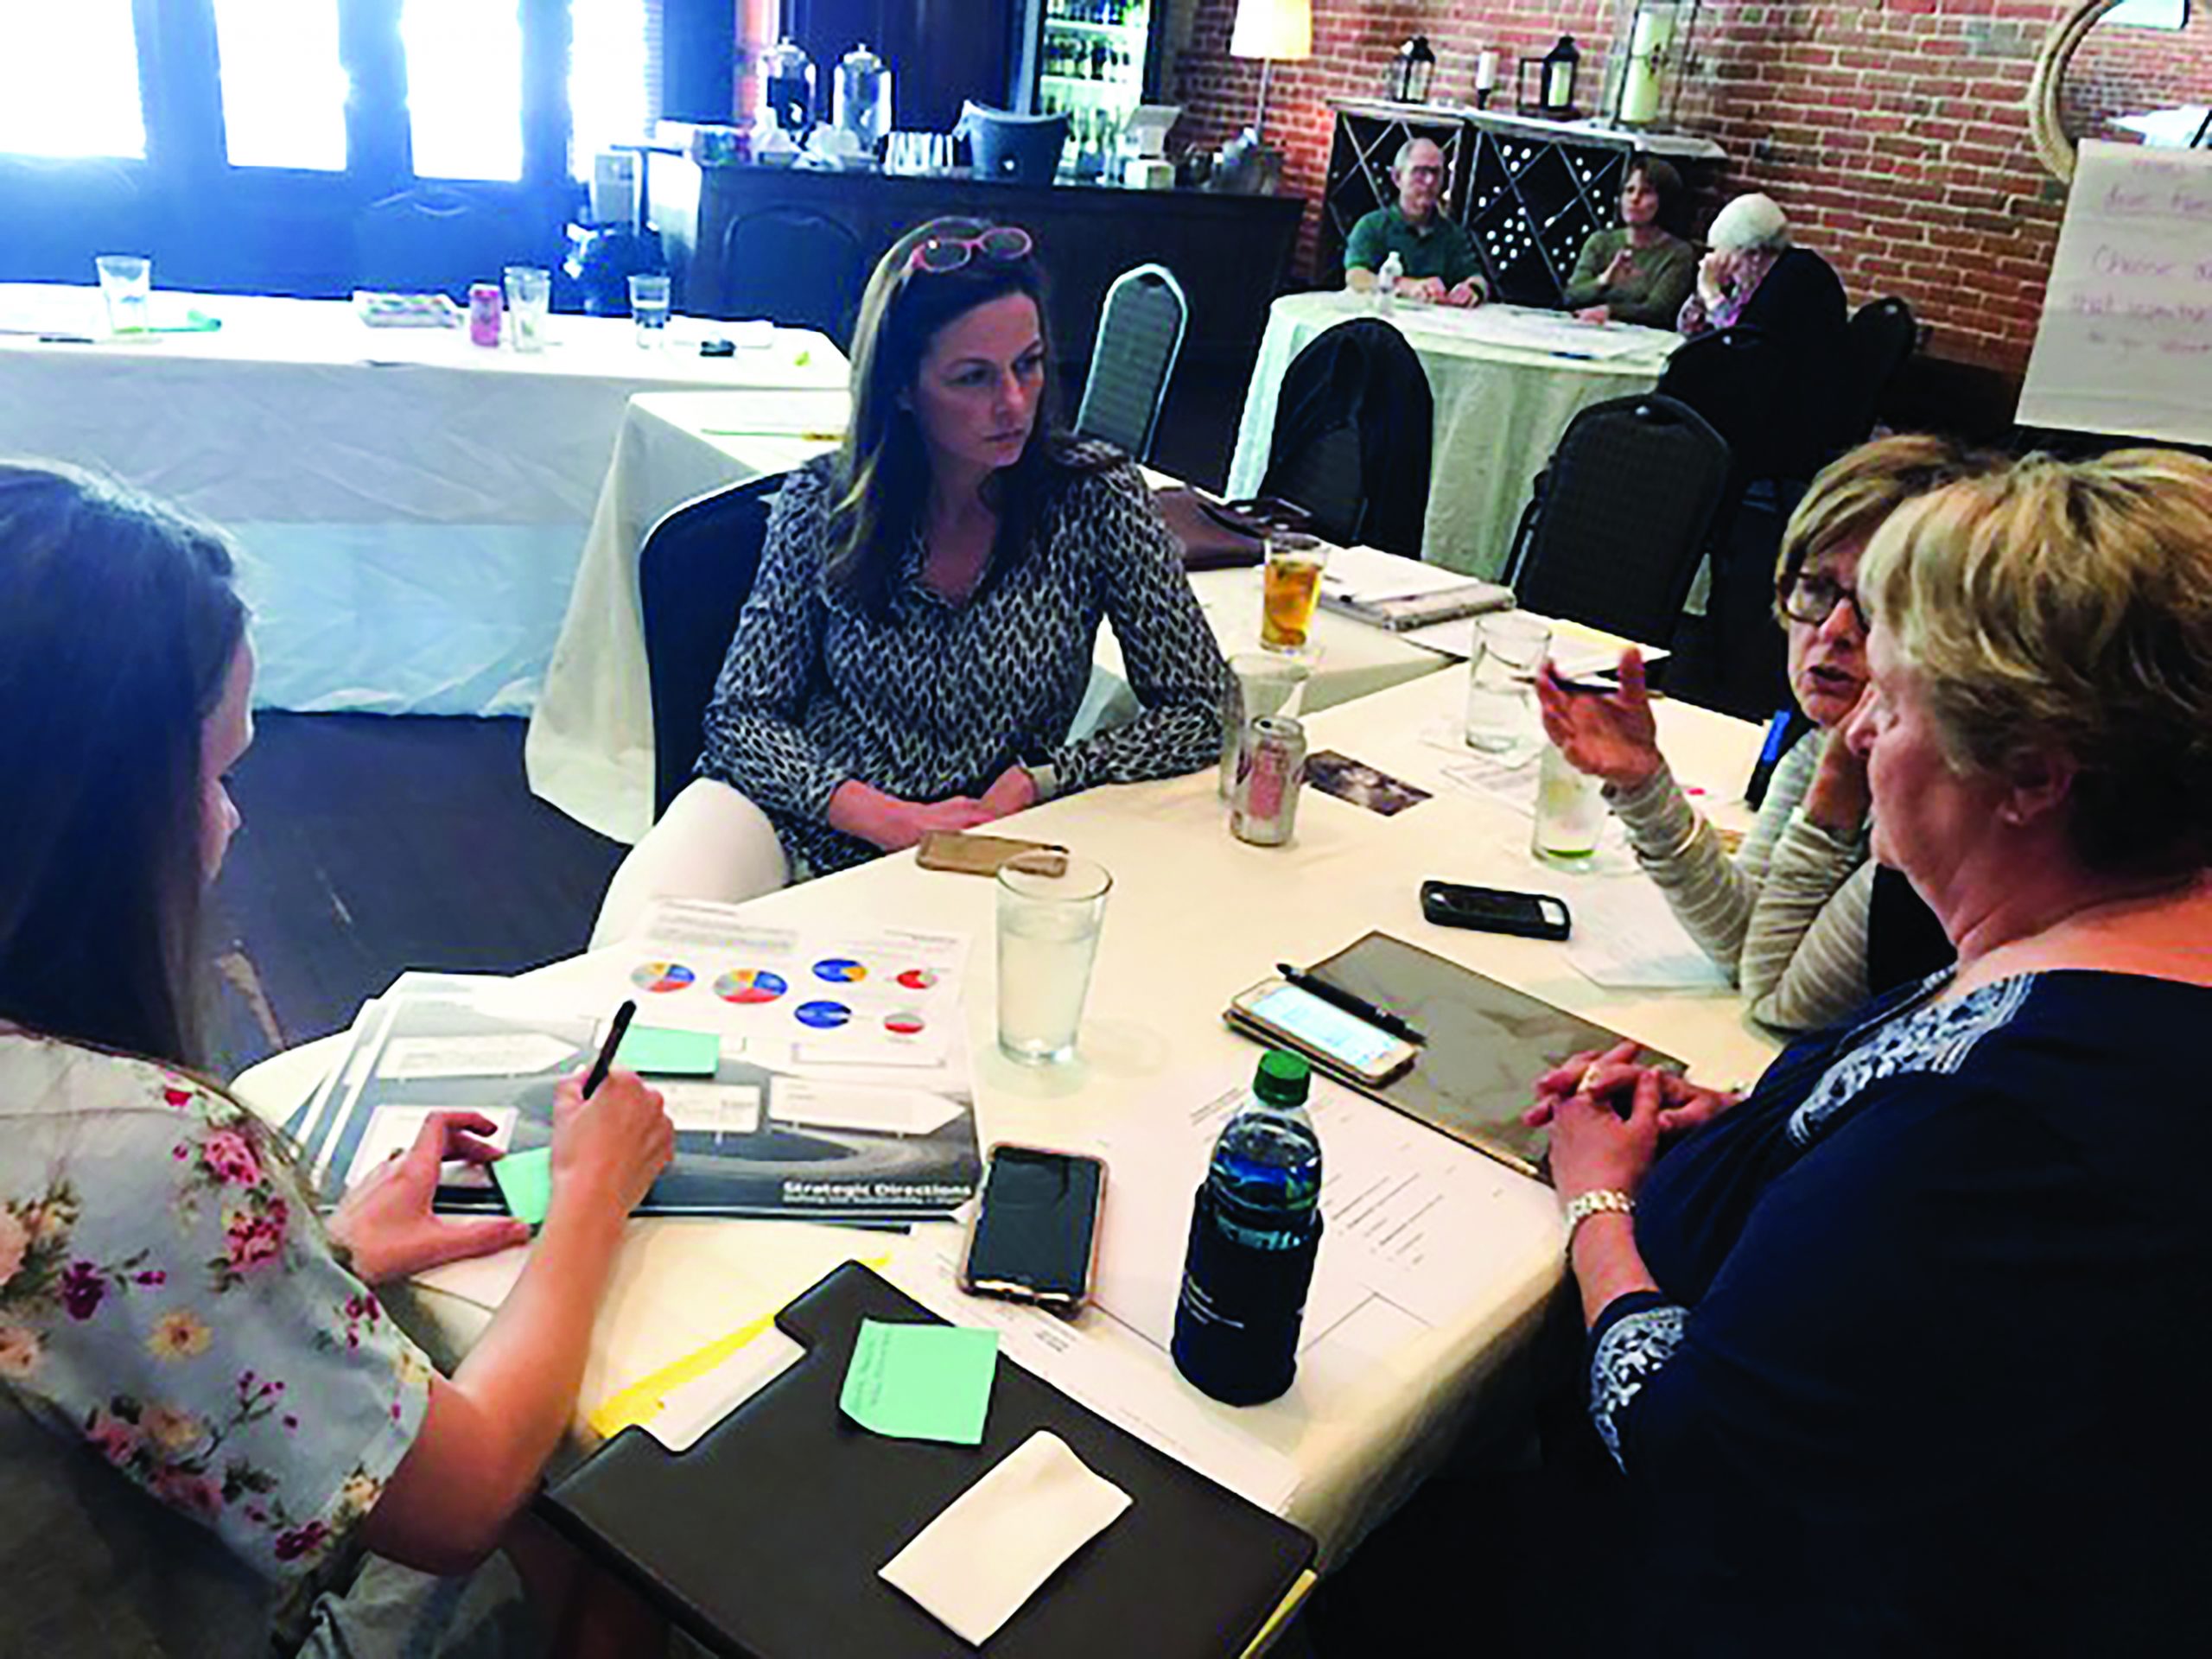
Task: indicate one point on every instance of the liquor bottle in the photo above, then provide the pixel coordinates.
(1256, 1231)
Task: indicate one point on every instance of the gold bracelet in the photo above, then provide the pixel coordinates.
(1602, 1200)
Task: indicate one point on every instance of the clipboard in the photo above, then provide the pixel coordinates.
(765, 1538)
(1486, 1043)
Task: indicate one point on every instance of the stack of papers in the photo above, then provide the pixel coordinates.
(1387, 591)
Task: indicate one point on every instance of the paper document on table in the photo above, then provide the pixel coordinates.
(1552, 332)
(1573, 655)
(393, 1129)
(1626, 938)
(783, 414)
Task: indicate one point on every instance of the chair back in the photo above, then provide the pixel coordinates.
(434, 238)
(1628, 501)
(1881, 337)
(693, 572)
(799, 268)
(1738, 380)
(1140, 336)
(1352, 434)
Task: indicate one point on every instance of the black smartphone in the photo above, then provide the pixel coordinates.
(1493, 910)
(1037, 1227)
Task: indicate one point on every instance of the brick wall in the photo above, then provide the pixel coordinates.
(1894, 132)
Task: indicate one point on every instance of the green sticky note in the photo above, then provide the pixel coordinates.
(658, 1051)
(921, 1381)
(526, 1181)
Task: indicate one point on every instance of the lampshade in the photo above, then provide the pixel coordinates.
(1272, 28)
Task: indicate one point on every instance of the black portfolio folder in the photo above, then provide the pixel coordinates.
(765, 1538)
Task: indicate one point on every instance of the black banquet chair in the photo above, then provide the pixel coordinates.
(1140, 336)
(693, 572)
(1621, 518)
(1353, 423)
(799, 269)
(1879, 338)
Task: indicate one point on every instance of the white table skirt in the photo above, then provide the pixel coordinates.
(1504, 395)
(1195, 916)
(590, 748)
(410, 507)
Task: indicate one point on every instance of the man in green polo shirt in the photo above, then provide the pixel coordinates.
(1439, 257)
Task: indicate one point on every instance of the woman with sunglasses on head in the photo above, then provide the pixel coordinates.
(213, 1439)
(1788, 918)
(917, 645)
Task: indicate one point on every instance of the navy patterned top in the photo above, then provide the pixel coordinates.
(942, 696)
(1919, 1376)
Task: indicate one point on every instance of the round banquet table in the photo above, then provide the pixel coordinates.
(1506, 380)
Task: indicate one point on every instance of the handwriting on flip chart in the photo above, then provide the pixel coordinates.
(2126, 343)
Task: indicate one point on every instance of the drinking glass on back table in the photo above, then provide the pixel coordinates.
(1501, 680)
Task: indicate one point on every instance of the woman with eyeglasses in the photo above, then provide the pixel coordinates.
(917, 645)
(1789, 917)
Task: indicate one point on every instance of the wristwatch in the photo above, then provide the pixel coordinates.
(1046, 775)
(1603, 1200)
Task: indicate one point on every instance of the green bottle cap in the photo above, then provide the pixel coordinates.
(1283, 1078)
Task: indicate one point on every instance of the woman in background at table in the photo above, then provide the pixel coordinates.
(1882, 1348)
(1791, 919)
(917, 643)
(1641, 272)
(206, 1415)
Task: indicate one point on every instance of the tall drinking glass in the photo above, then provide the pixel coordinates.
(1290, 587)
(1050, 907)
(530, 295)
(127, 285)
(1260, 683)
(1502, 681)
(649, 307)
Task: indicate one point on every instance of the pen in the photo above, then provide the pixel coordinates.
(598, 1067)
(1382, 1019)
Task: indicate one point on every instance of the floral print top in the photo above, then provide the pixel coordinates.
(170, 1303)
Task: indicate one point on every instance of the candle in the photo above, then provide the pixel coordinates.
(1647, 52)
(1486, 73)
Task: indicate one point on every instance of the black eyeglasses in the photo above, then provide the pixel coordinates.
(1811, 598)
(939, 254)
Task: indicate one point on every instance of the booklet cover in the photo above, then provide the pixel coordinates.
(749, 1141)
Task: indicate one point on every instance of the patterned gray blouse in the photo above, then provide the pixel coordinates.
(940, 697)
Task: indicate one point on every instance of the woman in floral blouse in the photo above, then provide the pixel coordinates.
(207, 1417)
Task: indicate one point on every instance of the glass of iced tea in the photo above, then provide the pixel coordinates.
(1290, 587)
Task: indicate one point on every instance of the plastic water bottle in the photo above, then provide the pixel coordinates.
(1254, 1232)
(1386, 280)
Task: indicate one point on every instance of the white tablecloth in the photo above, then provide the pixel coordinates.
(1195, 917)
(1506, 381)
(590, 749)
(410, 507)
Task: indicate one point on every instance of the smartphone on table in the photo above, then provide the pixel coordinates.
(1035, 1235)
(1494, 910)
(1293, 1017)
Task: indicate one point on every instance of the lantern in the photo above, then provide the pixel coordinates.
(1553, 92)
(1412, 70)
(1652, 45)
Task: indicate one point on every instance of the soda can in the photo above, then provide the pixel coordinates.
(1268, 774)
(484, 314)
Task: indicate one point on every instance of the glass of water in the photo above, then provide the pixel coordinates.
(127, 285)
(530, 295)
(649, 307)
(1502, 681)
(1050, 907)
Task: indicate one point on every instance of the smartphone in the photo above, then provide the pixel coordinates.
(1294, 1018)
(1493, 910)
(956, 849)
(1035, 1233)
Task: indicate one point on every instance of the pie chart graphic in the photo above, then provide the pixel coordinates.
(661, 976)
(839, 970)
(823, 1016)
(905, 1023)
(918, 978)
(746, 986)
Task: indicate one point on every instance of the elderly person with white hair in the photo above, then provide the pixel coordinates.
(1436, 254)
(1749, 238)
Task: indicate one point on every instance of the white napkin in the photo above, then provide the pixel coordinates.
(975, 1565)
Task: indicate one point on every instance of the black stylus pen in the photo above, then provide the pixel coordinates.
(1382, 1019)
(623, 1015)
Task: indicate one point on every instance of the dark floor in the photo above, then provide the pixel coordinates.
(374, 845)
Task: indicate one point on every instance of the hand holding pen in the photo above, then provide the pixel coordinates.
(611, 1136)
(1610, 734)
